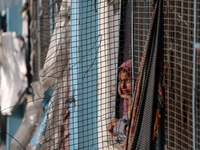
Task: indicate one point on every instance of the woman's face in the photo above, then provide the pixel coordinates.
(125, 82)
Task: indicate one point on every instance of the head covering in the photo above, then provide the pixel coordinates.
(127, 66)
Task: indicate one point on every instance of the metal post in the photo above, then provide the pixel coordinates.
(132, 46)
(194, 72)
(51, 18)
(39, 54)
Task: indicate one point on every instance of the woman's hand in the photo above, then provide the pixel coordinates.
(112, 125)
(124, 96)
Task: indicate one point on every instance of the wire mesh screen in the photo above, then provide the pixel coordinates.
(84, 43)
(87, 44)
(178, 58)
(141, 18)
(33, 38)
(179, 25)
(38, 33)
(44, 31)
(54, 74)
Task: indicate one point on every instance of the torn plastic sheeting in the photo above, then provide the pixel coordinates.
(39, 136)
(13, 81)
(4, 4)
(32, 118)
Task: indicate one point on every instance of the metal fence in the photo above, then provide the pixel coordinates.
(105, 35)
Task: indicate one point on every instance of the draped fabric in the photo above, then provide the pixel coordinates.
(147, 116)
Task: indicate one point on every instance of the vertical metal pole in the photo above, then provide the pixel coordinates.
(194, 72)
(132, 46)
(39, 54)
(51, 18)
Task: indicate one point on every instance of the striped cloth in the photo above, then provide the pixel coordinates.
(147, 116)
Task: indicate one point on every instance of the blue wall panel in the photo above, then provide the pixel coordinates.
(84, 75)
(14, 18)
(13, 123)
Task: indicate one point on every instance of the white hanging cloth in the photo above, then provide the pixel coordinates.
(54, 76)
